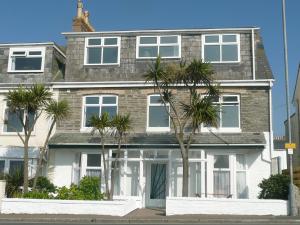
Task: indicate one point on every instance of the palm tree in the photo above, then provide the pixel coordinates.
(26, 102)
(102, 125)
(188, 115)
(121, 126)
(56, 111)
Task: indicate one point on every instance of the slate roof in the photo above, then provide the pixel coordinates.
(238, 139)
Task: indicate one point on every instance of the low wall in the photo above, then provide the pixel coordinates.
(43, 206)
(182, 206)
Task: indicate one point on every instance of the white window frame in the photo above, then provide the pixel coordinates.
(241, 170)
(13, 133)
(83, 117)
(158, 45)
(156, 129)
(101, 46)
(221, 43)
(225, 129)
(84, 165)
(26, 50)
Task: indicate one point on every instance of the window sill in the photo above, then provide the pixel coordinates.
(158, 129)
(15, 134)
(229, 62)
(163, 58)
(25, 71)
(222, 130)
(104, 65)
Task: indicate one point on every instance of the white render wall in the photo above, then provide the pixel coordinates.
(185, 206)
(43, 206)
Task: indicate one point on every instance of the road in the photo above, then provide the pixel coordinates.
(59, 223)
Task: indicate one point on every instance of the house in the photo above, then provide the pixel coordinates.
(295, 121)
(105, 73)
(24, 63)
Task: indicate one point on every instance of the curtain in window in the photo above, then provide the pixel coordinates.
(76, 169)
(241, 183)
(221, 184)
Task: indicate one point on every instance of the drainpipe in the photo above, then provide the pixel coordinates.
(253, 54)
(271, 144)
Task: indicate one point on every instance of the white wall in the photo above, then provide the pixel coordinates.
(182, 206)
(42, 206)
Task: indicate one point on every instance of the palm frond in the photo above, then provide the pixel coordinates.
(58, 110)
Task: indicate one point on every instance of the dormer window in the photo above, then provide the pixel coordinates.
(102, 51)
(221, 48)
(26, 60)
(149, 47)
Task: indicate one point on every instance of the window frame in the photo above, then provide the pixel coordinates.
(158, 45)
(221, 43)
(86, 46)
(26, 50)
(156, 129)
(226, 129)
(84, 167)
(83, 117)
(13, 132)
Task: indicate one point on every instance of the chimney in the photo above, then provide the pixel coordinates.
(81, 21)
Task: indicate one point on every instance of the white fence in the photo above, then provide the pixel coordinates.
(43, 206)
(182, 206)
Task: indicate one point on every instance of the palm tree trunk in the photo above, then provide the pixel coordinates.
(25, 184)
(114, 170)
(185, 176)
(39, 167)
(105, 171)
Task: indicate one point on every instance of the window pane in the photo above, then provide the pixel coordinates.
(94, 55)
(15, 166)
(18, 53)
(169, 39)
(110, 41)
(148, 51)
(230, 99)
(133, 154)
(212, 39)
(229, 53)
(148, 40)
(241, 185)
(93, 173)
(13, 123)
(92, 100)
(230, 116)
(195, 179)
(158, 116)
(35, 53)
(212, 53)
(169, 51)
(155, 100)
(110, 55)
(93, 160)
(132, 178)
(221, 184)
(240, 162)
(94, 41)
(109, 100)
(111, 110)
(89, 112)
(2, 166)
(229, 38)
(22, 63)
(221, 161)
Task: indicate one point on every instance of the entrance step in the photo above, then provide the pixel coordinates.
(152, 213)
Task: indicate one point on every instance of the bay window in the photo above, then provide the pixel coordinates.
(154, 46)
(221, 48)
(221, 176)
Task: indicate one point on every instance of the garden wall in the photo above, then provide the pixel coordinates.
(43, 206)
(182, 206)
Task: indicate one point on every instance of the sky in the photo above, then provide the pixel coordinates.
(44, 20)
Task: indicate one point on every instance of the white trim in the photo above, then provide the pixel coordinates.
(102, 46)
(26, 55)
(162, 30)
(253, 54)
(271, 142)
(158, 45)
(155, 129)
(221, 44)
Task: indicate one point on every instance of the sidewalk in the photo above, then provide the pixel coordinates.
(147, 216)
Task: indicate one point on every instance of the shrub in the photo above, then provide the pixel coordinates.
(13, 183)
(43, 184)
(88, 189)
(275, 187)
(37, 195)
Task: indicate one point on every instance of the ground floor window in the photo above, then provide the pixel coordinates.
(91, 165)
(221, 176)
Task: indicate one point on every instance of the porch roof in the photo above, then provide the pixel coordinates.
(168, 140)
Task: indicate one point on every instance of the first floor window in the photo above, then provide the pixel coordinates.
(228, 110)
(158, 117)
(97, 105)
(26, 60)
(13, 120)
(101, 51)
(218, 48)
(221, 176)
